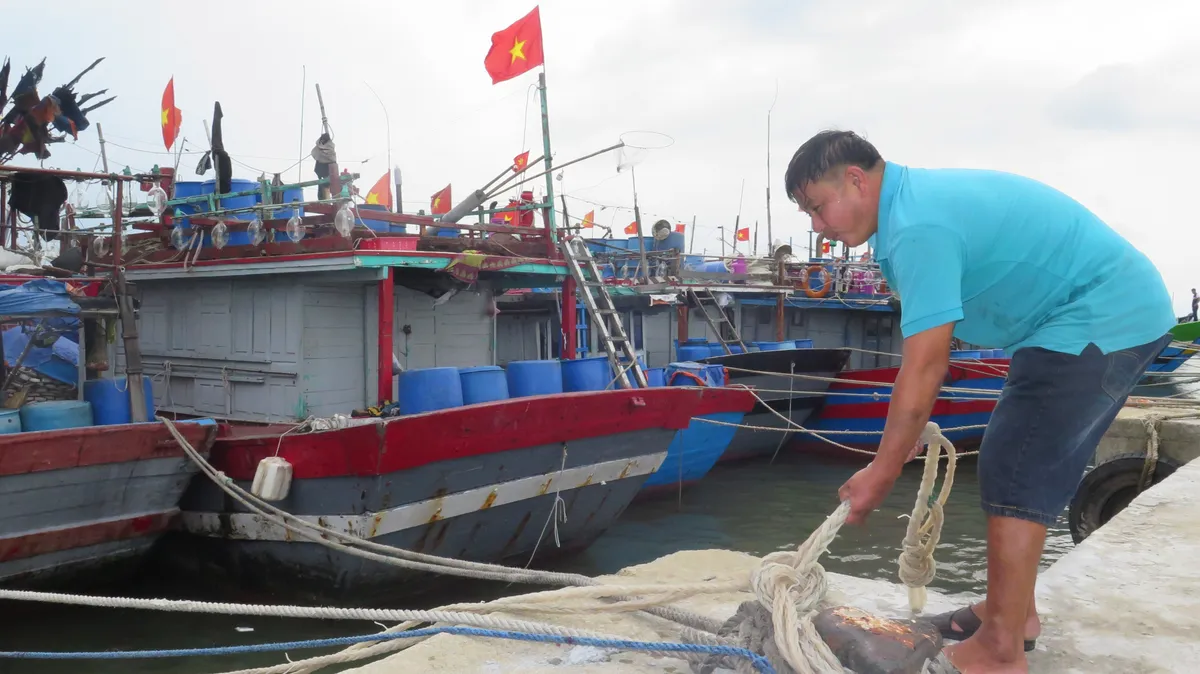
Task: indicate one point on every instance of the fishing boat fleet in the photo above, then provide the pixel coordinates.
(473, 384)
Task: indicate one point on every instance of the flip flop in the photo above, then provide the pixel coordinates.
(942, 665)
(968, 623)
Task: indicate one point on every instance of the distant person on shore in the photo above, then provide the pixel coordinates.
(1195, 306)
(975, 255)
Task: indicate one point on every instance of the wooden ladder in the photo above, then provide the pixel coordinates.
(700, 298)
(609, 329)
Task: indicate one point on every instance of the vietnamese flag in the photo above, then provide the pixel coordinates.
(520, 162)
(743, 234)
(588, 220)
(440, 203)
(381, 193)
(172, 117)
(631, 228)
(516, 49)
(679, 228)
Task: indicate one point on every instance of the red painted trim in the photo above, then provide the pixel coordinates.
(409, 442)
(92, 533)
(716, 400)
(251, 260)
(879, 410)
(39, 451)
(387, 311)
(987, 369)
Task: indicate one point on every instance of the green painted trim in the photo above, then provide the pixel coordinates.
(427, 262)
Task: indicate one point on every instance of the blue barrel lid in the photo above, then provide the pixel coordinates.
(481, 368)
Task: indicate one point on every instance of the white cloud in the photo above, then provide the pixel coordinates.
(1098, 98)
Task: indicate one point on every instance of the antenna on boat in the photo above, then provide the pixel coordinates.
(770, 235)
(324, 120)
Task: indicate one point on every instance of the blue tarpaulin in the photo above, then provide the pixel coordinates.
(59, 361)
(36, 297)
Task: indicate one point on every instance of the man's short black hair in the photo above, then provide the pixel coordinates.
(825, 151)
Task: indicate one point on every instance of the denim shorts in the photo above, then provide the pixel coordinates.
(1053, 411)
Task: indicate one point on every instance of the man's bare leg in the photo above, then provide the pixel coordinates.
(1033, 625)
(1014, 548)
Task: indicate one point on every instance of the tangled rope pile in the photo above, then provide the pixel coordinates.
(790, 586)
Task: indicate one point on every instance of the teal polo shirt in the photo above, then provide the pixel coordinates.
(1014, 263)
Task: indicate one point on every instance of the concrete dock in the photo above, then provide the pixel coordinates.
(1126, 600)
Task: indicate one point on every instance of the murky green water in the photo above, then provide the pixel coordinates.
(756, 507)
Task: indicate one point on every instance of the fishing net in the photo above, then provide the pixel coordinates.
(638, 146)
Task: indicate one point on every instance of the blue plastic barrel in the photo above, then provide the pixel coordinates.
(966, 355)
(290, 196)
(429, 389)
(716, 349)
(674, 241)
(656, 376)
(364, 211)
(689, 352)
(677, 374)
(190, 189)
(693, 262)
(804, 343)
(736, 349)
(713, 267)
(715, 374)
(235, 185)
(534, 378)
(483, 384)
(776, 346)
(586, 374)
(10, 421)
(110, 400)
(55, 415)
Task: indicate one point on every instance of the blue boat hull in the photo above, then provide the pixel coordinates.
(694, 451)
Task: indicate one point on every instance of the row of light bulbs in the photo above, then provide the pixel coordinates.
(343, 222)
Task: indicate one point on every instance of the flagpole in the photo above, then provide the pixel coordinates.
(387, 119)
(547, 162)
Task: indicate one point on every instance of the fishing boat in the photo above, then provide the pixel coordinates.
(856, 407)
(789, 386)
(520, 480)
(1185, 344)
(86, 490)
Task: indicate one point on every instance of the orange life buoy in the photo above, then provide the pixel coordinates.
(825, 286)
(686, 374)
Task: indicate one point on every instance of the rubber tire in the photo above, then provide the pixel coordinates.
(1107, 489)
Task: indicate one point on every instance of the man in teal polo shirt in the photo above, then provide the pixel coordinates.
(999, 261)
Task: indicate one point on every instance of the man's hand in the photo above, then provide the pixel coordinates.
(865, 490)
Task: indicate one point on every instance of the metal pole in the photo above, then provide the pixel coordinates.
(303, 86)
(129, 331)
(692, 243)
(722, 229)
(103, 154)
(755, 252)
(547, 162)
(637, 219)
(399, 190)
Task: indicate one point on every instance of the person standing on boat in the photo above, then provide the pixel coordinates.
(1001, 261)
(1195, 306)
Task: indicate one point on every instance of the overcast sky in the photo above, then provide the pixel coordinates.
(1098, 98)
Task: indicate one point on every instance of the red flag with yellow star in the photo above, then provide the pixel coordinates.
(631, 228)
(381, 193)
(520, 162)
(172, 117)
(680, 228)
(516, 49)
(440, 202)
(743, 234)
(588, 220)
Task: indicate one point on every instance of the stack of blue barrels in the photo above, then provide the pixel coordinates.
(106, 402)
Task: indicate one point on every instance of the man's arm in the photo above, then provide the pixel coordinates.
(928, 263)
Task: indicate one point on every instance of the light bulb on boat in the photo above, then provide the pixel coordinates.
(178, 237)
(100, 246)
(343, 220)
(295, 229)
(157, 200)
(255, 231)
(220, 234)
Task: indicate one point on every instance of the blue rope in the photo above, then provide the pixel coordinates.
(760, 663)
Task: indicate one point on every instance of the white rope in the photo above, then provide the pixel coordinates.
(917, 566)
(839, 380)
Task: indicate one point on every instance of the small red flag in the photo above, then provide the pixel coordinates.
(680, 227)
(381, 193)
(743, 234)
(588, 220)
(520, 162)
(440, 203)
(631, 228)
(516, 49)
(172, 117)
(825, 248)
